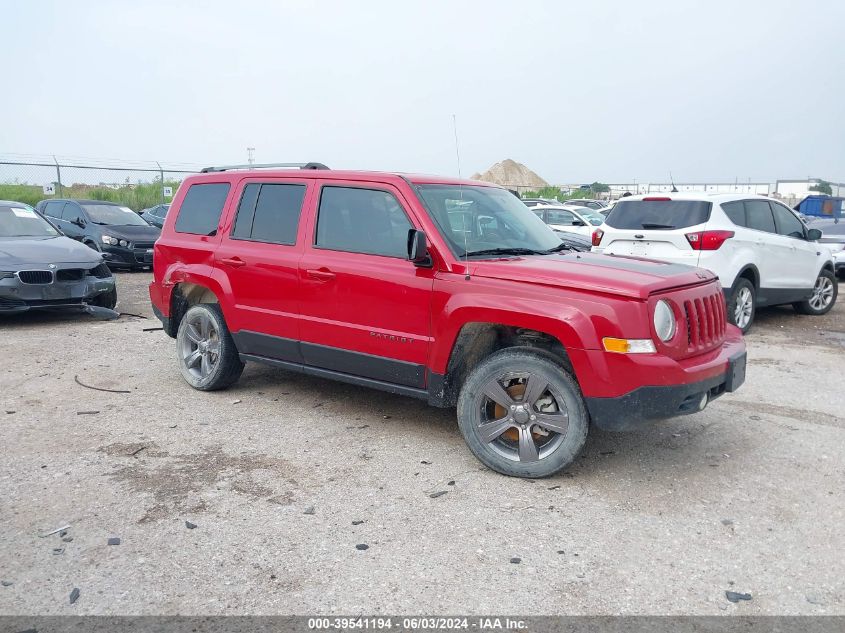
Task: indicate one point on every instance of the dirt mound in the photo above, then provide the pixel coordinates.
(511, 174)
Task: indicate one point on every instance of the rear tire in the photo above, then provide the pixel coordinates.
(207, 356)
(825, 291)
(522, 414)
(742, 306)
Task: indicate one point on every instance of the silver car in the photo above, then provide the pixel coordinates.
(42, 269)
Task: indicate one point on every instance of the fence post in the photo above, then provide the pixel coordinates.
(161, 173)
(58, 176)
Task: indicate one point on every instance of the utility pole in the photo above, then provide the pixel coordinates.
(250, 151)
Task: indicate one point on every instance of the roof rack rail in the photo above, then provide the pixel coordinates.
(206, 170)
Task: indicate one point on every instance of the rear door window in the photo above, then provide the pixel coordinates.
(658, 214)
(201, 208)
(735, 212)
(269, 213)
(759, 216)
(786, 222)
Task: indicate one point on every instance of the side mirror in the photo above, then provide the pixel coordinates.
(79, 222)
(418, 248)
(813, 235)
(577, 223)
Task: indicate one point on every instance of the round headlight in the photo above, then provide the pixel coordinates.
(664, 321)
(108, 239)
(124, 243)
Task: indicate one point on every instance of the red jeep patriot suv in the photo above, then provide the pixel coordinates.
(448, 290)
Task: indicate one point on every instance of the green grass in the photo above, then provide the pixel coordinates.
(136, 197)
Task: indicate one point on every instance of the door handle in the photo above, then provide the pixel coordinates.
(234, 262)
(323, 274)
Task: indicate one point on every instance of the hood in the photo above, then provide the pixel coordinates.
(610, 274)
(132, 233)
(18, 252)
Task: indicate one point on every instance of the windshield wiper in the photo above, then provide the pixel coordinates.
(648, 225)
(504, 251)
(563, 246)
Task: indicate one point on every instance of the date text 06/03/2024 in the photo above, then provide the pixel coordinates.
(417, 623)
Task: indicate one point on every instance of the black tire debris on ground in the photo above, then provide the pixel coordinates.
(734, 596)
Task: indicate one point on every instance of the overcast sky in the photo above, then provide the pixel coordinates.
(608, 91)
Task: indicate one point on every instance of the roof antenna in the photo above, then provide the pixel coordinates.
(672, 180)
(461, 190)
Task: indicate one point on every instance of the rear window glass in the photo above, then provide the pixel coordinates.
(201, 208)
(658, 214)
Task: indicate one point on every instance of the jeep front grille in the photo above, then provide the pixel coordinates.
(706, 321)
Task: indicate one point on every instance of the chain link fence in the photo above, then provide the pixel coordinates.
(136, 184)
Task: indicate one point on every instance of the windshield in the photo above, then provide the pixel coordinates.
(113, 214)
(23, 221)
(485, 219)
(659, 214)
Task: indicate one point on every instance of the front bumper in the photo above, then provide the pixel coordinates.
(623, 391)
(17, 296)
(130, 257)
(664, 401)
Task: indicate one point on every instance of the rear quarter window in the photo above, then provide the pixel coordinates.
(200, 211)
(735, 212)
(658, 214)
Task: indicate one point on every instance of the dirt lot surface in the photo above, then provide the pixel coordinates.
(285, 475)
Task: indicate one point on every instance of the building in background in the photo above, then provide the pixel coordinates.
(761, 188)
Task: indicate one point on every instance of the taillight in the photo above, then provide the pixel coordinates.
(708, 240)
(597, 235)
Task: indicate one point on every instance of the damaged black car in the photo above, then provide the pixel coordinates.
(42, 269)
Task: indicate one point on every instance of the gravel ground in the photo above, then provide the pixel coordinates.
(287, 477)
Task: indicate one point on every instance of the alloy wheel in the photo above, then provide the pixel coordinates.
(523, 418)
(743, 308)
(200, 347)
(822, 293)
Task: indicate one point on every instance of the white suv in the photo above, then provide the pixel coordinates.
(574, 219)
(762, 252)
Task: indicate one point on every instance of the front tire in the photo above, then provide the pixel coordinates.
(207, 356)
(825, 291)
(522, 414)
(743, 304)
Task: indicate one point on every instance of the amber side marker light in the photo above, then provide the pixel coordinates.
(628, 345)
